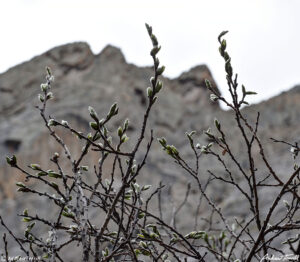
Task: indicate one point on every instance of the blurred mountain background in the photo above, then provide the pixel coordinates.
(83, 78)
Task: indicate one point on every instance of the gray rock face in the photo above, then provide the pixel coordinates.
(83, 79)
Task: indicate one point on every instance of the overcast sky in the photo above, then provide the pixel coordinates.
(263, 39)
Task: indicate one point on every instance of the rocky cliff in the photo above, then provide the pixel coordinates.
(83, 79)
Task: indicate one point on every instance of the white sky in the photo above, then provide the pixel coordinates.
(263, 37)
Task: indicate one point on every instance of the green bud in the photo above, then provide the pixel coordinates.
(208, 84)
(223, 44)
(94, 125)
(126, 123)
(228, 68)
(68, 214)
(35, 167)
(113, 110)
(286, 203)
(149, 29)
(124, 138)
(213, 97)
(141, 215)
(26, 219)
(222, 236)
(42, 173)
(12, 161)
(52, 122)
(49, 96)
(158, 86)
(48, 71)
(97, 136)
(54, 185)
(244, 90)
(251, 93)
(20, 184)
(41, 98)
(105, 252)
(217, 124)
(146, 187)
(120, 131)
(149, 92)
(154, 40)
(155, 50)
(160, 70)
(221, 35)
(25, 212)
(143, 244)
(162, 141)
(64, 123)
(44, 87)
(93, 114)
(90, 136)
(54, 174)
(84, 168)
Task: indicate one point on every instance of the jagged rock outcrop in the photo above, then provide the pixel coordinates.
(83, 79)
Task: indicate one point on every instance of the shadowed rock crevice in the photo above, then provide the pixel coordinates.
(12, 145)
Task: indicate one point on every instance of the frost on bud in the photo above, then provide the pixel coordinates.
(213, 97)
(12, 161)
(93, 113)
(44, 87)
(41, 98)
(149, 92)
(160, 70)
(51, 78)
(49, 96)
(52, 122)
(113, 110)
(64, 123)
(35, 167)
